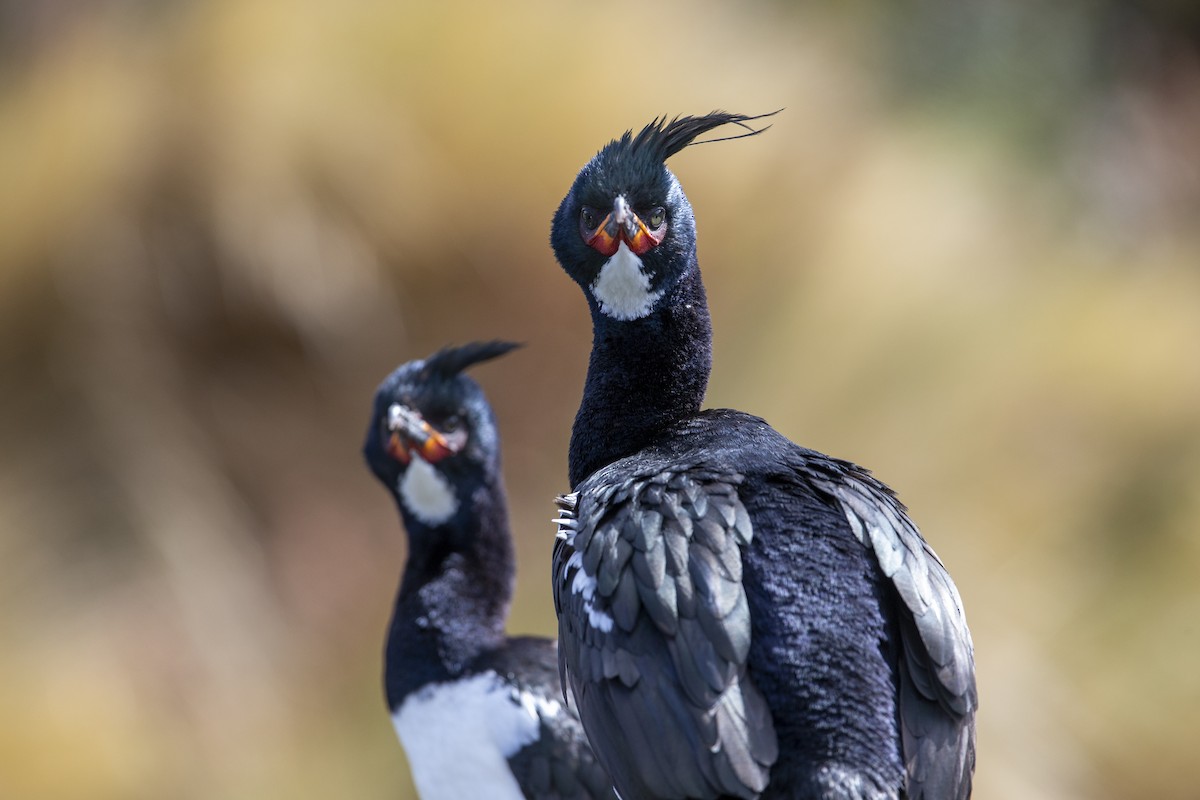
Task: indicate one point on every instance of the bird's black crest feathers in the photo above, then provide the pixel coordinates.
(450, 361)
(661, 139)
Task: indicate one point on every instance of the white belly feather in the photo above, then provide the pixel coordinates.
(459, 736)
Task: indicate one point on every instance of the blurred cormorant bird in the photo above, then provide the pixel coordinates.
(738, 616)
(479, 714)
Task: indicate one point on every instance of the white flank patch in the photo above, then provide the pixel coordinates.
(459, 736)
(585, 585)
(426, 493)
(622, 289)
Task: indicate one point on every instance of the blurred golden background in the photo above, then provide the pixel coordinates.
(967, 255)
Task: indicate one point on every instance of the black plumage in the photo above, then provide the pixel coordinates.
(479, 714)
(738, 616)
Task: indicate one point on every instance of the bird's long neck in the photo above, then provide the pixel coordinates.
(454, 596)
(643, 375)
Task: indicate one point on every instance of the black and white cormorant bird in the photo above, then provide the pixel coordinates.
(738, 616)
(479, 714)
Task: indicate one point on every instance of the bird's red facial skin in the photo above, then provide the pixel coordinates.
(432, 450)
(396, 448)
(602, 241)
(643, 238)
(435, 448)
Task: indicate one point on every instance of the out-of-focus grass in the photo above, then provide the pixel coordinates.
(222, 223)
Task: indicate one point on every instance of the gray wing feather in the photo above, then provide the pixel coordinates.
(654, 632)
(937, 665)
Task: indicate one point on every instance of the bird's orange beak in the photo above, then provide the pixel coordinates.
(410, 433)
(623, 225)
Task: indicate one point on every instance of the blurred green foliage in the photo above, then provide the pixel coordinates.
(966, 254)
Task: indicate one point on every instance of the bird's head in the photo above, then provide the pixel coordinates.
(432, 439)
(625, 231)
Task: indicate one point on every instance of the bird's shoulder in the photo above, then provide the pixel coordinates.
(557, 763)
(527, 663)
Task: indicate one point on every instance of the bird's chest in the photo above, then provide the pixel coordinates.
(459, 736)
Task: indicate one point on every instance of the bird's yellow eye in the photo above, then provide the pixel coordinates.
(589, 218)
(656, 218)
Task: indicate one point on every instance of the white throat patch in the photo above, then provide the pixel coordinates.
(458, 736)
(622, 289)
(426, 493)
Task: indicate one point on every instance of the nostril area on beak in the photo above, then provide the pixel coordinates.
(621, 213)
